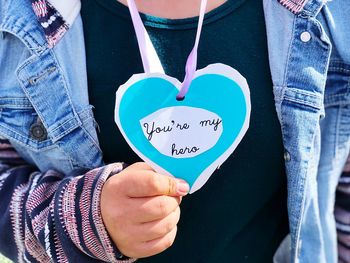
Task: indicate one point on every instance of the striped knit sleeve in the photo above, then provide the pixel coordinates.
(342, 215)
(47, 217)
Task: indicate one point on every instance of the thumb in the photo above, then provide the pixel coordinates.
(149, 183)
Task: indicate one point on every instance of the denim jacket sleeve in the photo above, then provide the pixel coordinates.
(49, 191)
(48, 217)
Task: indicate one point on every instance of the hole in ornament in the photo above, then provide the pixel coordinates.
(180, 99)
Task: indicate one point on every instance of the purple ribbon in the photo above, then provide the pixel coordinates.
(142, 36)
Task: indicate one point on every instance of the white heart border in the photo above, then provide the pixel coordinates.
(217, 68)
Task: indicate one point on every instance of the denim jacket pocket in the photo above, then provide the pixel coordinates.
(21, 125)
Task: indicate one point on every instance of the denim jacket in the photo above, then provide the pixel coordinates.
(46, 116)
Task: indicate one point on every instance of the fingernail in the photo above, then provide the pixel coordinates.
(182, 187)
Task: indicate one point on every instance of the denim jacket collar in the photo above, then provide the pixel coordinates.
(56, 16)
(19, 20)
(305, 7)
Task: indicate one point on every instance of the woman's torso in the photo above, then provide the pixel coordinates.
(240, 215)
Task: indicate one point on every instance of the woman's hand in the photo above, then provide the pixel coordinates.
(140, 209)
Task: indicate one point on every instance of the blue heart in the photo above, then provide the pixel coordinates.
(213, 89)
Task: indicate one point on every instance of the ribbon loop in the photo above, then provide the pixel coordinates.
(150, 60)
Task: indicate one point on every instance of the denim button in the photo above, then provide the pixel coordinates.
(305, 36)
(286, 156)
(38, 131)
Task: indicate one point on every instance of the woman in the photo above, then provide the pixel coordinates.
(60, 209)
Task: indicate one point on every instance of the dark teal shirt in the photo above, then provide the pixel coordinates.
(240, 214)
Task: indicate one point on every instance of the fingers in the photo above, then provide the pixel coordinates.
(158, 228)
(146, 183)
(140, 209)
(156, 246)
(152, 208)
(131, 237)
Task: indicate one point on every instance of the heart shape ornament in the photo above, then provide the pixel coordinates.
(186, 139)
(189, 137)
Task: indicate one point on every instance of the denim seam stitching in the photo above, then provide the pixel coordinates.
(15, 30)
(64, 82)
(91, 139)
(289, 53)
(337, 132)
(302, 205)
(339, 69)
(32, 60)
(62, 78)
(18, 70)
(302, 102)
(84, 129)
(336, 99)
(297, 233)
(66, 131)
(16, 106)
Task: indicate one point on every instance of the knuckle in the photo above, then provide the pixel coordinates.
(138, 165)
(169, 241)
(172, 185)
(162, 206)
(177, 214)
(168, 226)
(154, 182)
(132, 166)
